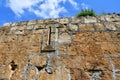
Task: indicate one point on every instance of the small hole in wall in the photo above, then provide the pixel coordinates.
(13, 65)
(96, 74)
(40, 67)
(65, 24)
(112, 17)
(13, 39)
(21, 30)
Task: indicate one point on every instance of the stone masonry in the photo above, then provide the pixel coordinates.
(92, 37)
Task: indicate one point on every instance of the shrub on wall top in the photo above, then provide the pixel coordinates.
(86, 12)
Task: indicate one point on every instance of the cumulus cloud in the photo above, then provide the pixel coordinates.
(18, 6)
(84, 6)
(41, 8)
(74, 3)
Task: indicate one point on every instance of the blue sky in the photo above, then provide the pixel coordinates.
(22, 10)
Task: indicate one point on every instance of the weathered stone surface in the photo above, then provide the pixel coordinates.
(40, 21)
(101, 18)
(110, 26)
(19, 32)
(56, 19)
(74, 27)
(65, 38)
(14, 28)
(113, 17)
(31, 27)
(21, 28)
(39, 26)
(83, 53)
(32, 22)
(117, 24)
(99, 26)
(90, 20)
(15, 24)
(86, 27)
(64, 20)
(24, 23)
(77, 20)
(39, 60)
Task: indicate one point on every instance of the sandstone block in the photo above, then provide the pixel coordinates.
(90, 20)
(30, 27)
(86, 27)
(39, 26)
(22, 27)
(64, 20)
(14, 28)
(110, 26)
(23, 23)
(32, 22)
(39, 60)
(40, 21)
(77, 20)
(74, 27)
(56, 19)
(101, 18)
(15, 24)
(19, 32)
(65, 38)
(117, 24)
(112, 17)
(99, 27)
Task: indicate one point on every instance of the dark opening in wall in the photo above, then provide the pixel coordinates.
(65, 24)
(13, 65)
(95, 74)
(40, 67)
(95, 70)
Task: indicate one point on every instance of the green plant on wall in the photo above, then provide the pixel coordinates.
(86, 12)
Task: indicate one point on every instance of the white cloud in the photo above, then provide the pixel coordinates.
(84, 6)
(41, 8)
(74, 3)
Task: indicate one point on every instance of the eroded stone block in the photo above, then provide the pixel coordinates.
(14, 28)
(110, 26)
(32, 22)
(117, 24)
(77, 20)
(86, 27)
(24, 23)
(89, 19)
(30, 27)
(40, 21)
(112, 18)
(74, 27)
(99, 26)
(64, 20)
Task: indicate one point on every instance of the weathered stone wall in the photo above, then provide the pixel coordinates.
(105, 22)
(92, 37)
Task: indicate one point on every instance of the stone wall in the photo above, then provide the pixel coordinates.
(98, 23)
(91, 37)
